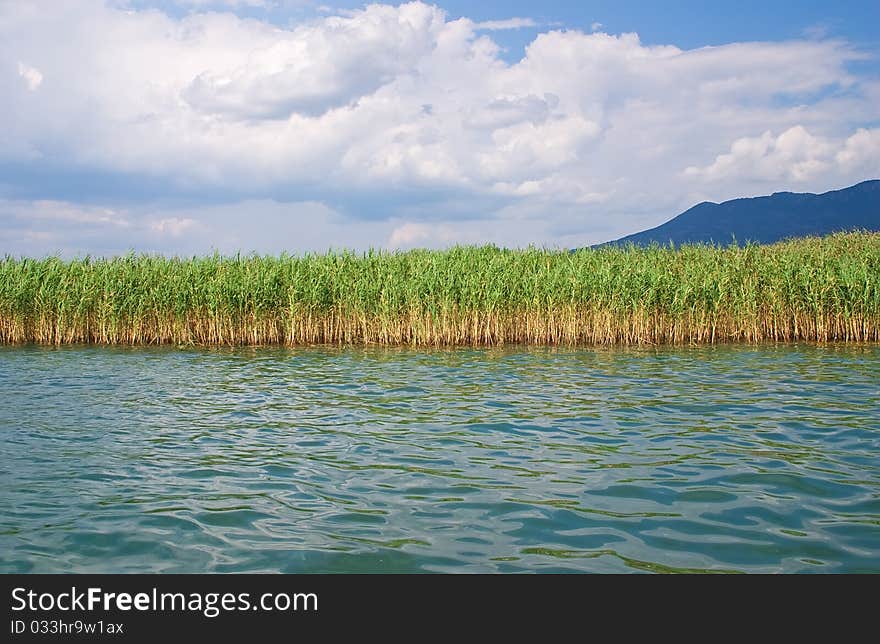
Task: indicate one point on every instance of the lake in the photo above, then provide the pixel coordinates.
(727, 458)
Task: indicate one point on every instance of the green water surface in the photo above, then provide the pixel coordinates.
(734, 458)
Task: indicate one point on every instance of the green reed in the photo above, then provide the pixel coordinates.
(810, 289)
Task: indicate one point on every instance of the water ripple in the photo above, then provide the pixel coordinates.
(717, 459)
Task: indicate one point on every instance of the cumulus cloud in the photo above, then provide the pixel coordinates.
(795, 155)
(315, 68)
(505, 111)
(861, 153)
(409, 127)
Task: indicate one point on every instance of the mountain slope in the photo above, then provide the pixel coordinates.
(769, 219)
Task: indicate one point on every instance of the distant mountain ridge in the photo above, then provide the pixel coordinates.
(769, 219)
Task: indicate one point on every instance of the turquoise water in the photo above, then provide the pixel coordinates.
(732, 458)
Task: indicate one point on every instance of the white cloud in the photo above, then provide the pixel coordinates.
(44, 227)
(861, 153)
(596, 26)
(315, 68)
(794, 156)
(32, 76)
(405, 117)
(509, 23)
(504, 111)
(409, 233)
(39, 228)
(49, 210)
(173, 226)
(412, 234)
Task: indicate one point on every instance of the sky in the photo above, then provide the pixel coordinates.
(196, 126)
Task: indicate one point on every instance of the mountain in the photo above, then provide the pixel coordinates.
(769, 219)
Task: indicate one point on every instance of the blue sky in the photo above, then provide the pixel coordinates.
(686, 23)
(187, 126)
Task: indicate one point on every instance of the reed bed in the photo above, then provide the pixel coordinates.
(819, 289)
